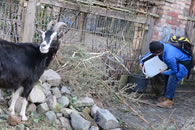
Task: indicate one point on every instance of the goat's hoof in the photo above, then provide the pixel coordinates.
(12, 113)
(24, 118)
(10, 109)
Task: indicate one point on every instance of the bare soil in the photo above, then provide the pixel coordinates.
(181, 116)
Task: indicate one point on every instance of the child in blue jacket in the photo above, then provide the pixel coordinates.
(177, 61)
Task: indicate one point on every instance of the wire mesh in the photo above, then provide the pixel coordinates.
(97, 33)
(11, 15)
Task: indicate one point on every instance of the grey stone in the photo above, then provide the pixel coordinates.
(46, 89)
(66, 112)
(105, 119)
(4, 116)
(65, 123)
(51, 102)
(1, 111)
(31, 107)
(94, 128)
(18, 105)
(20, 127)
(46, 85)
(43, 107)
(52, 77)
(57, 121)
(51, 116)
(63, 101)
(94, 109)
(65, 90)
(78, 122)
(37, 95)
(86, 101)
(56, 92)
(1, 96)
(59, 114)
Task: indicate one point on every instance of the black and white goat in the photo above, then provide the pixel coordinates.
(22, 64)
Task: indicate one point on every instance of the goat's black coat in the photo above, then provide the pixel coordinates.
(22, 64)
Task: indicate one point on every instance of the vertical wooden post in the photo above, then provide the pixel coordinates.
(83, 22)
(28, 27)
(149, 32)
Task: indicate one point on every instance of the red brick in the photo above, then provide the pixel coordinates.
(172, 22)
(156, 33)
(173, 14)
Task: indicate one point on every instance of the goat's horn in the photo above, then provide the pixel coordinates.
(50, 24)
(59, 25)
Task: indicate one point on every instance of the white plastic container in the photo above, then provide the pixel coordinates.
(153, 67)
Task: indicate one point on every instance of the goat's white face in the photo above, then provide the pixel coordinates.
(47, 37)
(50, 35)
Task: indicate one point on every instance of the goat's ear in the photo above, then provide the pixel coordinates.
(60, 35)
(39, 31)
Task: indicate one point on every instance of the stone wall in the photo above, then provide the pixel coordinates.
(173, 13)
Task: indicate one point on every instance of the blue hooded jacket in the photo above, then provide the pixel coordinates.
(171, 55)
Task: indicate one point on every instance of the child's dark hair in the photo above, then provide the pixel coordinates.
(155, 47)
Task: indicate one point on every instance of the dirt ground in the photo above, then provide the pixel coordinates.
(181, 116)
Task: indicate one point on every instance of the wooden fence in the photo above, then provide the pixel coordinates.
(122, 31)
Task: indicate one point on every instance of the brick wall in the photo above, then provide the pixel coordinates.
(171, 12)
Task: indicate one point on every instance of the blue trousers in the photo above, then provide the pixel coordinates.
(171, 83)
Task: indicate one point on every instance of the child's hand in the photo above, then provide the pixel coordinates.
(140, 66)
(161, 71)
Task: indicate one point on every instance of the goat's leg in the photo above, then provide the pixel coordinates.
(25, 95)
(15, 96)
(23, 110)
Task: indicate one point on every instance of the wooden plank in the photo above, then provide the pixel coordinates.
(28, 28)
(83, 23)
(148, 34)
(97, 10)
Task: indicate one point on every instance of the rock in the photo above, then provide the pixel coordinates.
(3, 121)
(105, 119)
(1, 111)
(57, 121)
(56, 92)
(14, 120)
(37, 95)
(65, 123)
(18, 105)
(46, 85)
(43, 107)
(116, 129)
(63, 101)
(78, 122)
(52, 77)
(65, 90)
(1, 96)
(51, 116)
(94, 128)
(86, 115)
(66, 112)
(32, 107)
(20, 127)
(84, 102)
(46, 89)
(4, 116)
(51, 102)
(59, 114)
(94, 109)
